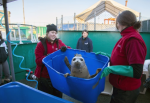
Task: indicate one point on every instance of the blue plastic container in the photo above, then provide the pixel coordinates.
(77, 88)
(16, 92)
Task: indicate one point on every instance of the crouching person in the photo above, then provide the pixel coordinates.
(4, 67)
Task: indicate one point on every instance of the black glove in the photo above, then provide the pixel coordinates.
(63, 48)
(48, 54)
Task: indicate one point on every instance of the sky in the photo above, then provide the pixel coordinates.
(46, 11)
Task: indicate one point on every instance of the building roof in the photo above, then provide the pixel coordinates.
(1, 1)
(110, 6)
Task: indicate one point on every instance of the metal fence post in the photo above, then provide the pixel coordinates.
(9, 45)
(141, 21)
(147, 24)
(32, 34)
(37, 34)
(139, 16)
(15, 37)
(42, 31)
(74, 21)
(61, 22)
(87, 26)
(94, 20)
(19, 34)
(56, 22)
(68, 25)
(77, 26)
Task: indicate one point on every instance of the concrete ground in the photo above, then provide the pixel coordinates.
(142, 98)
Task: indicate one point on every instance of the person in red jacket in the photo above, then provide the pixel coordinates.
(126, 61)
(46, 46)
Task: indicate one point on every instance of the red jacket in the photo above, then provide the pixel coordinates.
(130, 49)
(39, 54)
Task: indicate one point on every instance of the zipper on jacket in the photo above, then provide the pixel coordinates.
(53, 47)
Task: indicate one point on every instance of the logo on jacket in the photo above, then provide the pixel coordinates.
(56, 48)
(86, 43)
(119, 46)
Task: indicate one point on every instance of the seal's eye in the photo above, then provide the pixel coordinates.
(81, 59)
(74, 59)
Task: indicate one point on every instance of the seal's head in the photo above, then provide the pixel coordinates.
(78, 61)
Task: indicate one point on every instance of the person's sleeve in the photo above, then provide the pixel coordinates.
(137, 70)
(91, 46)
(77, 47)
(136, 56)
(39, 53)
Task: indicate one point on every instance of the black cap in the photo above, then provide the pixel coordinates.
(51, 27)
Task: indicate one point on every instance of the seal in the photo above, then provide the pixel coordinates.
(78, 67)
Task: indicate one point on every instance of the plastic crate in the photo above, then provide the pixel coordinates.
(15, 92)
(77, 88)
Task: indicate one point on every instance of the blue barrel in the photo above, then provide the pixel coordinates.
(77, 88)
(15, 92)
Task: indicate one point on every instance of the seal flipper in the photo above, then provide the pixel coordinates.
(66, 75)
(97, 71)
(67, 63)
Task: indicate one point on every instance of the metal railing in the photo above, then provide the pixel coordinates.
(102, 22)
(21, 32)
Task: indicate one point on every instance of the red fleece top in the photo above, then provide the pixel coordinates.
(39, 54)
(130, 49)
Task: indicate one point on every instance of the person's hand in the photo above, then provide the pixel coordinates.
(102, 53)
(105, 72)
(63, 48)
(48, 54)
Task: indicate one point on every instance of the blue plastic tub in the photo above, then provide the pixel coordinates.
(77, 88)
(16, 92)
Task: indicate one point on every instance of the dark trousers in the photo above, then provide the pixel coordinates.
(4, 67)
(45, 85)
(121, 96)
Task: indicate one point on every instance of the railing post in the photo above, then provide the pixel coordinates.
(74, 21)
(19, 34)
(31, 33)
(139, 16)
(140, 20)
(68, 25)
(56, 22)
(94, 20)
(15, 37)
(61, 22)
(42, 31)
(32, 39)
(37, 34)
(147, 24)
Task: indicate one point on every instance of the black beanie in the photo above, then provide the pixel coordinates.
(51, 27)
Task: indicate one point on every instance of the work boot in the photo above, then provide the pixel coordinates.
(7, 80)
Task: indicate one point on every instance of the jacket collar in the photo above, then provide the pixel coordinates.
(84, 38)
(127, 30)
